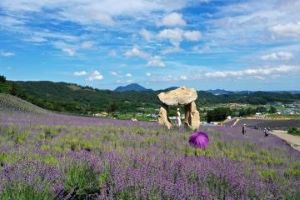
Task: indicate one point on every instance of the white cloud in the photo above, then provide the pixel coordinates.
(69, 51)
(253, 72)
(91, 11)
(278, 56)
(136, 52)
(91, 76)
(289, 29)
(192, 35)
(147, 35)
(170, 50)
(80, 73)
(177, 35)
(253, 23)
(128, 75)
(114, 73)
(173, 19)
(95, 75)
(148, 74)
(261, 73)
(71, 48)
(154, 61)
(87, 15)
(7, 54)
(8, 21)
(87, 45)
(183, 77)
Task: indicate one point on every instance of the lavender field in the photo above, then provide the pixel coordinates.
(52, 156)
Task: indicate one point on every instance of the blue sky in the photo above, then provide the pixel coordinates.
(205, 44)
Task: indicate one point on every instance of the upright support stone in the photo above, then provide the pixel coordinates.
(195, 117)
(187, 116)
(163, 117)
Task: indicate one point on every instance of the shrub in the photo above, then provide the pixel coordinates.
(82, 180)
(127, 194)
(268, 174)
(104, 177)
(294, 131)
(77, 144)
(20, 138)
(50, 133)
(21, 191)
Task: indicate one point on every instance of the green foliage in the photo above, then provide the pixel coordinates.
(22, 191)
(293, 171)
(218, 114)
(82, 180)
(12, 134)
(3, 158)
(2, 79)
(104, 176)
(218, 183)
(10, 158)
(76, 144)
(66, 97)
(112, 107)
(50, 133)
(268, 174)
(294, 131)
(272, 110)
(127, 194)
(48, 159)
(20, 138)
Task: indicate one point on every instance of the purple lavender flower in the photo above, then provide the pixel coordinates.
(199, 140)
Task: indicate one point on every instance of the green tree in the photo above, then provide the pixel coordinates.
(218, 114)
(112, 107)
(272, 109)
(14, 89)
(2, 79)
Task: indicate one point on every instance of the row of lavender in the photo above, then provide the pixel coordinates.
(66, 157)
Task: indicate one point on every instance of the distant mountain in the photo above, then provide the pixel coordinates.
(219, 92)
(132, 87)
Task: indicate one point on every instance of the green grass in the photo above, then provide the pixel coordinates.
(21, 191)
(82, 180)
(294, 131)
(277, 116)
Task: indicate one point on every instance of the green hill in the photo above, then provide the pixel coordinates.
(73, 98)
(66, 97)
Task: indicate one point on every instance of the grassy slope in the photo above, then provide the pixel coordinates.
(12, 103)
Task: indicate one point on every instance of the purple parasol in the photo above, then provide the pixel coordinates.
(199, 140)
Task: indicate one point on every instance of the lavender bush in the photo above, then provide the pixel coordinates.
(52, 156)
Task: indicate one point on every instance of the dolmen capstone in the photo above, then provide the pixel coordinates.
(182, 96)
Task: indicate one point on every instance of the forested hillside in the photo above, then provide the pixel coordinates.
(67, 97)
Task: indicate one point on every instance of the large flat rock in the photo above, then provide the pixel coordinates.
(179, 96)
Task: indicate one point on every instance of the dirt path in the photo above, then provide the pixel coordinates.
(294, 141)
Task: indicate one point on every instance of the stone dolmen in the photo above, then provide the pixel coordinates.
(182, 96)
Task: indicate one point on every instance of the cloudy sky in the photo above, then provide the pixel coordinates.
(205, 44)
